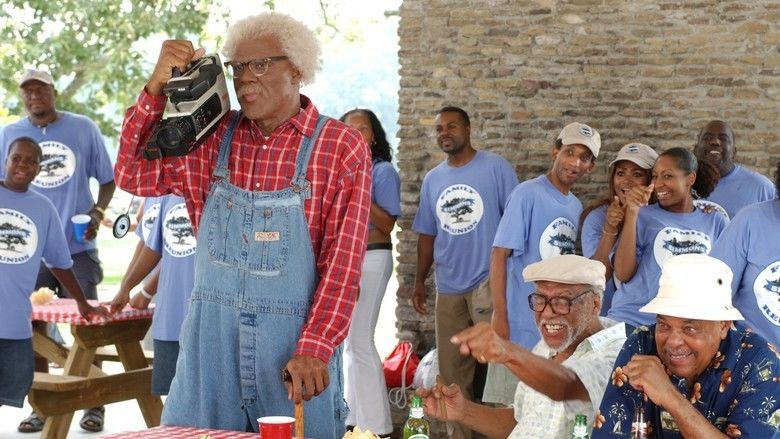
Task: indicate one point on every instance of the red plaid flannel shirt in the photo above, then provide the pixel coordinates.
(337, 213)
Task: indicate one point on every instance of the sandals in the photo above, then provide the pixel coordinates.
(93, 419)
(31, 424)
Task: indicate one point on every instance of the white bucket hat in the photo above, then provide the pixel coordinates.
(694, 286)
(637, 153)
(577, 133)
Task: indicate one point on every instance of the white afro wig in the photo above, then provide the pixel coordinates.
(298, 42)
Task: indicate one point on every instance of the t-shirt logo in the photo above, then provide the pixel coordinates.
(57, 165)
(178, 236)
(459, 209)
(148, 219)
(559, 238)
(18, 237)
(767, 291)
(672, 242)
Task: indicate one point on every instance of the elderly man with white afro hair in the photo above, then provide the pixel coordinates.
(283, 193)
(298, 42)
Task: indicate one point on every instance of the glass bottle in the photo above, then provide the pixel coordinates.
(416, 426)
(638, 424)
(580, 430)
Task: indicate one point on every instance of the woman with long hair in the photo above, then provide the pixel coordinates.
(750, 247)
(364, 383)
(601, 222)
(653, 233)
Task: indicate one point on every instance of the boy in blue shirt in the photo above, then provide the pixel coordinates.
(30, 232)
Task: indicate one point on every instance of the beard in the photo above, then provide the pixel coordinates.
(574, 331)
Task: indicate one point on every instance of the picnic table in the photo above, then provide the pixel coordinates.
(82, 384)
(169, 432)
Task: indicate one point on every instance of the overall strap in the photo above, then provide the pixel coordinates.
(304, 153)
(221, 170)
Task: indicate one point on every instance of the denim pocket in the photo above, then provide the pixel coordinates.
(221, 249)
(269, 241)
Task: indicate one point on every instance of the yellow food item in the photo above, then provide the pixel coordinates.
(358, 434)
(42, 296)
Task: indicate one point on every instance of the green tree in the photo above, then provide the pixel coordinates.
(94, 49)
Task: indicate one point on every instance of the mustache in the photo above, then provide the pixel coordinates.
(246, 89)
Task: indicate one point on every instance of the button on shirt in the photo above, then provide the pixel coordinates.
(337, 212)
(539, 417)
(739, 393)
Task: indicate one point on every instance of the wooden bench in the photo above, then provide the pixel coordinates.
(53, 395)
(109, 353)
(58, 383)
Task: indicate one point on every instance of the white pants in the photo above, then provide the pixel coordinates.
(364, 381)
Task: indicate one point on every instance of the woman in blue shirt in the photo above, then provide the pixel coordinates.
(600, 223)
(364, 382)
(652, 234)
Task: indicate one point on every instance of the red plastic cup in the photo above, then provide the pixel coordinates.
(276, 427)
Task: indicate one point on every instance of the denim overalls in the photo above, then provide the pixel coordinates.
(255, 276)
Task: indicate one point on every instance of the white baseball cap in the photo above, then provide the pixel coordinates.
(577, 133)
(694, 286)
(567, 269)
(637, 153)
(36, 75)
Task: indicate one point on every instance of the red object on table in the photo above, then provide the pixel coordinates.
(168, 432)
(67, 311)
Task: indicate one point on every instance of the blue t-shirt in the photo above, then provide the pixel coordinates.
(386, 188)
(30, 230)
(590, 236)
(661, 234)
(749, 245)
(73, 152)
(172, 236)
(461, 208)
(741, 187)
(151, 209)
(737, 392)
(539, 221)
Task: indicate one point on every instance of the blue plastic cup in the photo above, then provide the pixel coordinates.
(80, 224)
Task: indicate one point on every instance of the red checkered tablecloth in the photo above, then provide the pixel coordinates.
(66, 311)
(181, 433)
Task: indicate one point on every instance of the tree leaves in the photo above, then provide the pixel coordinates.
(94, 50)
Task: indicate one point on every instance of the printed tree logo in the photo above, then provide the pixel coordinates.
(617, 412)
(12, 235)
(180, 227)
(458, 207)
(51, 162)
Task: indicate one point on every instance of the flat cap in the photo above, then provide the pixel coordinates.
(567, 269)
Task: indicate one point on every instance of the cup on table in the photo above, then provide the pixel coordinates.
(276, 427)
(80, 224)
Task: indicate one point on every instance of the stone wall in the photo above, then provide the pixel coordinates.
(648, 71)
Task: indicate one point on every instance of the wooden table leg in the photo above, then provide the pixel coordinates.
(79, 363)
(132, 356)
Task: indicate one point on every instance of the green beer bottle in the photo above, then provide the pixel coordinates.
(580, 430)
(416, 426)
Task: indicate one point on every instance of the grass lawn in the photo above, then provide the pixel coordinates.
(115, 255)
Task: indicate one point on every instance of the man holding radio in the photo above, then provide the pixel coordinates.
(283, 195)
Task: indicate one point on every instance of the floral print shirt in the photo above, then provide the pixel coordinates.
(739, 393)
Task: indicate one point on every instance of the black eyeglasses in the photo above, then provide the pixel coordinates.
(559, 305)
(257, 66)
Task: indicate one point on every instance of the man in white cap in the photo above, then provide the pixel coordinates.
(566, 372)
(73, 154)
(694, 373)
(540, 220)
